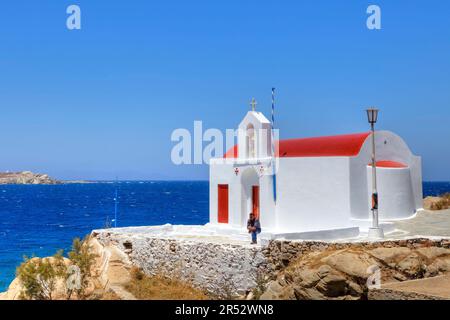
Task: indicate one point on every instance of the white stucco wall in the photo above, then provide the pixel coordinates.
(262, 129)
(389, 146)
(395, 194)
(313, 194)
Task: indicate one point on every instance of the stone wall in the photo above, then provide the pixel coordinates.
(221, 269)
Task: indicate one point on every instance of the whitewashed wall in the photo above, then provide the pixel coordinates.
(395, 194)
(262, 131)
(389, 146)
(313, 194)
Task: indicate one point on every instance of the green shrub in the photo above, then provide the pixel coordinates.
(39, 276)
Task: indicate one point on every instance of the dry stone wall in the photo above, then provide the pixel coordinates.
(221, 269)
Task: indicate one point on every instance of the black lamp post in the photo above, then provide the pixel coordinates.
(375, 232)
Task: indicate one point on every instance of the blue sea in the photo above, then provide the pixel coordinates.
(40, 219)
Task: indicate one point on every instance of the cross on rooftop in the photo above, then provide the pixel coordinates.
(253, 104)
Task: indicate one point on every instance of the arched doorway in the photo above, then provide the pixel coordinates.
(250, 194)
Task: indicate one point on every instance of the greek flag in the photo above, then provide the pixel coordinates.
(274, 176)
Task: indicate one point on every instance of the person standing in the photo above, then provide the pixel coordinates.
(253, 227)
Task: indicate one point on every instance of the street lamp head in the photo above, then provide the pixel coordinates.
(372, 115)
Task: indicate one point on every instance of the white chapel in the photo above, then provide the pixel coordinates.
(322, 185)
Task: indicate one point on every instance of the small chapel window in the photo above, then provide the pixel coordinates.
(250, 142)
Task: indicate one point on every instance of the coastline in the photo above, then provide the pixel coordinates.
(31, 178)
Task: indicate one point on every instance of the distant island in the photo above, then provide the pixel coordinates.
(28, 177)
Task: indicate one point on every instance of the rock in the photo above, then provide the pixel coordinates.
(433, 252)
(324, 270)
(411, 265)
(15, 288)
(308, 277)
(288, 294)
(428, 202)
(390, 255)
(13, 292)
(354, 289)
(302, 293)
(435, 203)
(354, 264)
(340, 271)
(440, 265)
(400, 277)
(26, 177)
(332, 285)
(282, 281)
(272, 291)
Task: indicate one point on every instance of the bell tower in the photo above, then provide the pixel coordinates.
(254, 135)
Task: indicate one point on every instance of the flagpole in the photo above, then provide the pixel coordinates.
(116, 201)
(274, 176)
(115, 209)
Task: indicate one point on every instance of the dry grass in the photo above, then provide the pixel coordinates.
(159, 287)
(441, 204)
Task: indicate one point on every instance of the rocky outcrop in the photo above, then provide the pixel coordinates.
(347, 273)
(437, 203)
(16, 288)
(26, 177)
(110, 273)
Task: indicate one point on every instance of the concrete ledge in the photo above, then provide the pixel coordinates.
(436, 288)
(334, 234)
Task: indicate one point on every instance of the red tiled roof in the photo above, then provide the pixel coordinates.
(330, 146)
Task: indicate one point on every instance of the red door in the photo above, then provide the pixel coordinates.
(222, 202)
(255, 201)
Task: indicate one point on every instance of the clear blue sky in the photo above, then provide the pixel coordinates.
(102, 101)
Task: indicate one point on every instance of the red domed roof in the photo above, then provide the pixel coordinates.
(330, 146)
(389, 164)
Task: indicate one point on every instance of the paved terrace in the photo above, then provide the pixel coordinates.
(425, 224)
